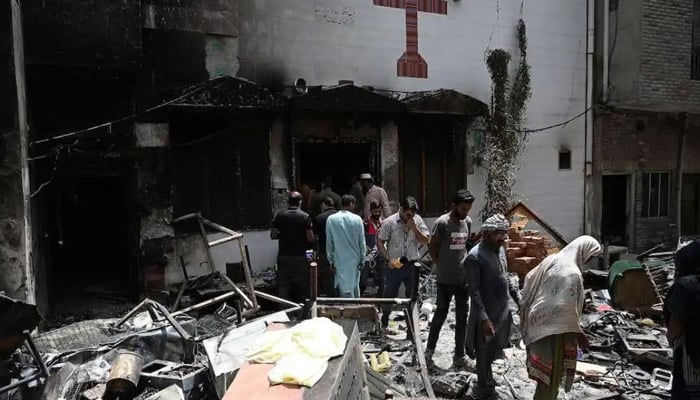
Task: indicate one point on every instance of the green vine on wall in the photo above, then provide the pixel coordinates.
(506, 139)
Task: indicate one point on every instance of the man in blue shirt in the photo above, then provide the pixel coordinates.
(346, 247)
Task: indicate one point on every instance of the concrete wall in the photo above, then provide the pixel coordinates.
(192, 249)
(625, 48)
(326, 41)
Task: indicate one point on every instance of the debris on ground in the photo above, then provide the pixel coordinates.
(205, 346)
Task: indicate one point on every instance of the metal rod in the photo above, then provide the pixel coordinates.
(222, 240)
(169, 317)
(364, 300)
(205, 303)
(35, 353)
(184, 217)
(276, 299)
(221, 228)
(248, 276)
(179, 295)
(205, 241)
(238, 290)
(28, 379)
(184, 268)
(130, 313)
(313, 281)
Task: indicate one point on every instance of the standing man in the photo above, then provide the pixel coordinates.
(488, 330)
(372, 226)
(372, 193)
(448, 250)
(322, 191)
(293, 228)
(398, 242)
(346, 248)
(325, 276)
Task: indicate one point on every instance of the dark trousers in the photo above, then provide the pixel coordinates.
(326, 278)
(393, 278)
(444, 296)
(293, 278)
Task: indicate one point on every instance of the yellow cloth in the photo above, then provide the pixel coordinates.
(301, 353)
(298, 369)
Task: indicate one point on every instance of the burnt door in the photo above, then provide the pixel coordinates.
(690, 205)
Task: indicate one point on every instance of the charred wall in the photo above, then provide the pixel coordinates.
(17, 278)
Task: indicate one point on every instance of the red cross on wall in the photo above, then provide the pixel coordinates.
(411, 64)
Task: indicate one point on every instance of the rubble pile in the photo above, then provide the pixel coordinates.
(208, 344)
(525, 249)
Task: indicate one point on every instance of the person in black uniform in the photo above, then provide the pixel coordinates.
(294, 231)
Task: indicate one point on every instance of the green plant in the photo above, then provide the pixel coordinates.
(505, 138)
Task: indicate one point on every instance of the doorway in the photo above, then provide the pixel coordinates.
(91, 266)
(615, 218)
(690, 205)
(341, 162)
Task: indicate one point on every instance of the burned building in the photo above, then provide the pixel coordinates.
(646, 146)
(137, 117)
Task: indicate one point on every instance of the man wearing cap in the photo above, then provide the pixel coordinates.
(488, 330)
(398, 241)
(371, 194)
(449, 245)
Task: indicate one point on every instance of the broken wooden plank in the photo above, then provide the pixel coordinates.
(413, 323)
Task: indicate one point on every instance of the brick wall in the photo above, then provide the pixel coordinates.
(630, 141)
(638, 142)
(667, 27)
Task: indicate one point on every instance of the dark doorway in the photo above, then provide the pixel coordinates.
(615, 212)
(91, 255)
(340, 162)
(690, 205)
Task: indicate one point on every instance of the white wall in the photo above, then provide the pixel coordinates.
(325, 41)
(263, 253)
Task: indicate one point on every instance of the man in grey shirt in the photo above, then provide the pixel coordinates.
(448, 249)
(488, 329)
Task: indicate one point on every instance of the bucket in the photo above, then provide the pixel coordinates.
(124, 376)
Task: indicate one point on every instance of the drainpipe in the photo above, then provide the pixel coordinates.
(683, 119)
(587, 185)
(606, 48)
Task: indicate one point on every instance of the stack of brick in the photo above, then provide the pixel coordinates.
(525, 250)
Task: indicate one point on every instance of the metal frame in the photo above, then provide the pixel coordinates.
(154, 308)
(410, 308)
(249, 300)
(43, 370)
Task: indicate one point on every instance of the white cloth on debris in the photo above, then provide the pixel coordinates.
(301, 353)
(552, 297)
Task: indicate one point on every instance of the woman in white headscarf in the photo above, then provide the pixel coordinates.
(552, 301)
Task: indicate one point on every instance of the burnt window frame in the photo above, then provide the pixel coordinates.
(224, 161)
(655, 208)
(561, 153)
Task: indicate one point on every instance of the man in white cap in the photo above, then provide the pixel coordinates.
(371, 194)
(488, 330)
